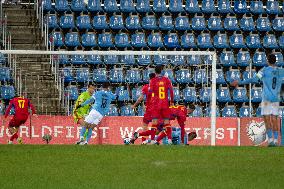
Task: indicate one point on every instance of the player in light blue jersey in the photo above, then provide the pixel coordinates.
(101, 106)
(272, 78)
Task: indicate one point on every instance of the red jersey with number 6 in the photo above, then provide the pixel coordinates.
(21, 106)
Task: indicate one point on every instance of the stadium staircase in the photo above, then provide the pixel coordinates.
(38, 82)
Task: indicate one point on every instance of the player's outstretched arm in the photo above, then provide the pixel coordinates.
(85, 103)
(138, 101)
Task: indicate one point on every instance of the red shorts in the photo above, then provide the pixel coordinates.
(161, 113)
(17, 121)
(147, 116)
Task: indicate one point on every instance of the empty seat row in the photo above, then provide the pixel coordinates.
(159, 6)
(7, 92)
(5, 74)
(181, 23)
(170, 40)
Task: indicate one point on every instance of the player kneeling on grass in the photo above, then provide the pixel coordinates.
(21, 106)
(102, 99)
(272, 78)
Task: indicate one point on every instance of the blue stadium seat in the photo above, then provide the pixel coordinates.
(110, 6)
(278, 24)
(105, 40)
(182, 23)
(171, 40)
(138, 40)
(183, 76)
(175, 6)
(161, 60)
(122, 40)
(94, 6)
(2, 58)
(205, 94)
(215, 23)
(247, 24)
(240, 7)
(220, 78)
(247, 76)
(189, 94)
(127, 111)
(240, 95)
(176, 94)
(229, 111)
(72, 39)
(140, 111)
(256, 7)
(204, 41)
(281, 42)
(5, 74)
(72, 92)
(256, 94)
(253, 41)
(279, 59)
(78, 6)
(223, 95)
(245, 111)
(208, 112)
(263, 24)
(237, 41)
(166, 23)
(127, 6)
(144, 60)
(100, 22)
(94, 59)
(89, 40)
(46, 5)
(62, 6)
(113, 111)
(243, 58)
(155, 40)
(170, 74)
(127, 59)
(122, 93)
(192, 6)
(259, 59)
(208, 59)
(56, 38)
(208, 6)
(188, 41)
(82, 75)
(100, 75)
(177, 60)
(143, 6)
(52, 22)
(200, 76)
(198, 23)
(231, 23)
(220, 41)
(272, 7)
(227, 59)
(77, 59)
(193, 60)
(116, 75)
(159, 6)
(146, 74)
(63, 59)
(197, 112)
(224, 6)
(7, 92)
(258, 112)
(133, 76)
(116, 22)
(110, 59)
(67, 22)
(132, 22)
(270, 41)
(136, 92)
(83, 22)
(232, 75)
(149, 22)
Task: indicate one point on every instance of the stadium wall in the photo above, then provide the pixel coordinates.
(112, 130)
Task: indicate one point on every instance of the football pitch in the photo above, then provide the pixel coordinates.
(135, 167)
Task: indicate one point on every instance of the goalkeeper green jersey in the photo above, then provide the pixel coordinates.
(83, 111)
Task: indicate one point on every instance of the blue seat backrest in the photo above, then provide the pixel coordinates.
(243, 58)
(188, 40)
(200, 76)
(89, 40)
(247, 24)
(166, 23)
(192, 6)
(224, 6)
(132, 22)
(127, 6)
(100, 22)
(113, 111)
(133, 76)
(94, 6)
(116, 75)
(82, 75)
(149, 22)
(205, 94)
(253, 41)
(240, 6)
(146, 74)
(189, 94)
(208, 6)
(127, 111)
(100, 75)
(245, 111)
(155, 40)
(198, 23)
(240, 94)
(227, 58)
(223, 95)
(233, 75)
(159, 6)
(161, 60)
(122, 40)
(259, 59)
(256, 7)
(110, 6)
(177, 60)
(143, 6)
(171, 40)
(183, 76)
(229, 111)
(105, 40)
(138, 40)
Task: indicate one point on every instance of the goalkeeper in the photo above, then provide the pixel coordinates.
(80, 113)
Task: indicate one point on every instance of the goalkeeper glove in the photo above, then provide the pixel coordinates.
(79, 106)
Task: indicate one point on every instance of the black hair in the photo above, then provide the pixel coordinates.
(91, 84)
(105, 85)
(191, 106)
(152, 75)
(158, 69)
(271, 59)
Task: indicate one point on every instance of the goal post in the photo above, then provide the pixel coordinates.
(187, 57)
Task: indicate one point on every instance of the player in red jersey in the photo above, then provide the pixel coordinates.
(147, 115)
(21, 106)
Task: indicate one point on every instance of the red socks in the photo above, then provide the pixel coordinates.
(169, 131)
(161, 136)
(151, 133)
(14, 136)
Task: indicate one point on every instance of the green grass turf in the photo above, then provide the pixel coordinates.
(135, 167)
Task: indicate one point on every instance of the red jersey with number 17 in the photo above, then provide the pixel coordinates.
(21, 106)
(159, 88)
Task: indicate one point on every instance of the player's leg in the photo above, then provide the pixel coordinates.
(266, 112)
(275, 121)
(13, 129)
(166, 113)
